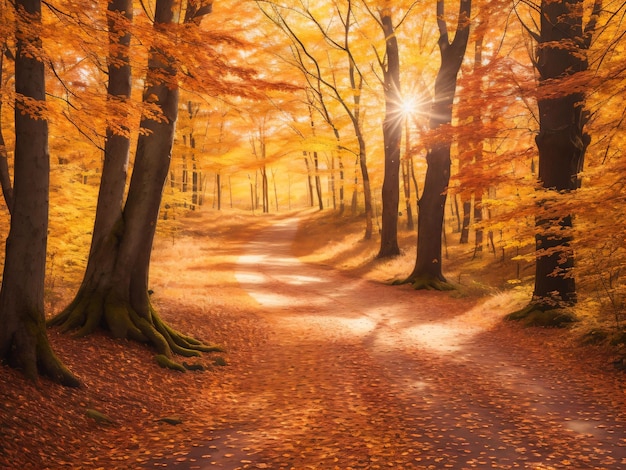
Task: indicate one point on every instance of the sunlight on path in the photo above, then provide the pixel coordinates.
(407, 379)
(308, 295)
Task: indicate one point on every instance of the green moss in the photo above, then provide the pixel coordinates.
(594, 337)
(219, 361)
(197, 367)
(430, 283)
(117, 319)
(174, 421)
(167, 363)
(536, 315)
(98, 416)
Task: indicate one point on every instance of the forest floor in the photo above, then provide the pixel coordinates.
(327, 367)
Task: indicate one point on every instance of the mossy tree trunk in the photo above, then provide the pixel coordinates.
(23, 340)
(114, 293)
(427, 272)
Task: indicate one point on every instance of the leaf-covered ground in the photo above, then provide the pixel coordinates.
(324, 370)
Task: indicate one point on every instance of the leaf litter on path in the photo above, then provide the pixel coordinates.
(324, 371)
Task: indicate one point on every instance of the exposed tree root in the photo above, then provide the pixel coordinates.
(52, 367)
(167, 363)
(542, 316)
(431, 283)
(89, 312)
(426, 283)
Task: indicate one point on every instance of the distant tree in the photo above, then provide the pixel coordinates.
(560, 56)
(471, 144)
(258, 143)
(427, 272)
(392, 127)
(324, 81)
(23, 340)
(476, 112)
(392, 135)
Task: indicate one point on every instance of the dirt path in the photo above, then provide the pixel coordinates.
(357, 374)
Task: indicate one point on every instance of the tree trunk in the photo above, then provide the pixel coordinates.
(23, 339)
(265, 190)
(466, 204)
(427, 272)
(318, 182)
(117, 143)
(392, 136)
(218, 189)
(407, 164)
(115, 292)
(273, 171)
(85, 311)
(331, 181)
(308, 178)
(478, 217)
(562, 143)
(342, 199)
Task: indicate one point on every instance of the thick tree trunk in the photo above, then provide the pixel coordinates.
(115, 291)
(86, 310)
(23, 340)
(562, 143)
(117, 143)
(427, 272)
(392, 136)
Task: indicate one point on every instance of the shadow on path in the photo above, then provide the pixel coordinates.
(358, 374)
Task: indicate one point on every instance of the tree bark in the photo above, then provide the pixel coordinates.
(115, 293)
(85, 311)
(308, 178)
(392, 137)
(562, 142)
(408, 175)
(23, 339)
(427, 272)
(318, 181)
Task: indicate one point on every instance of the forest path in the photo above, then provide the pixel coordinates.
(357, 374)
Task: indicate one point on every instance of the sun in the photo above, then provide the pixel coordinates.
(407, 106)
